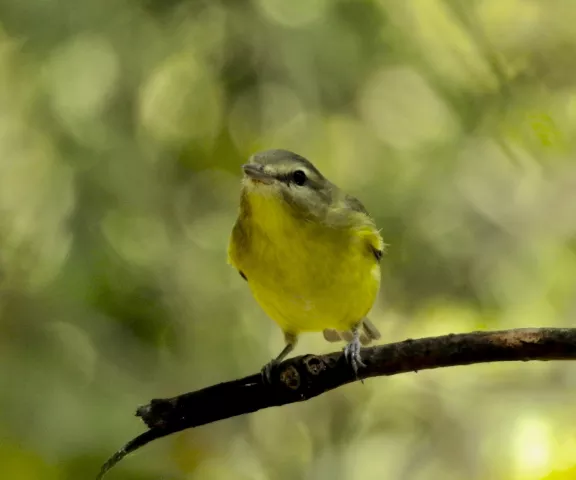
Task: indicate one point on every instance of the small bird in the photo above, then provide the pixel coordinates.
(309, 252)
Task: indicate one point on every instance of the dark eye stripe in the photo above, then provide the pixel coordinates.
(312, 180)
(285, 177)
(289, 177)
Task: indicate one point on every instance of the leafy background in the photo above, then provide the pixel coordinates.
(123, 125)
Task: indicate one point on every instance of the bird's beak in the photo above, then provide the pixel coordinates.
(257, 173)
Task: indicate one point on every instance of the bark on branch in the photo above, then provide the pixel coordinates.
(301, 378)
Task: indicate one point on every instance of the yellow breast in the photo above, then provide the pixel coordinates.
(305, 275)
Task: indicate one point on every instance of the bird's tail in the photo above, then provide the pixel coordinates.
(369, 332)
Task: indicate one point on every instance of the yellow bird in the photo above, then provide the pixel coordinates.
(309, 252)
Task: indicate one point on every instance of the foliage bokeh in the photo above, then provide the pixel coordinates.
(123, 125)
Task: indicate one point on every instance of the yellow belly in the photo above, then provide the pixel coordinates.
(307, 277)
(337, 297)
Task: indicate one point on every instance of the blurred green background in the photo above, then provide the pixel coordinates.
(123, 125)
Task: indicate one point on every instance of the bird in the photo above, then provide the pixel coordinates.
(309, 252)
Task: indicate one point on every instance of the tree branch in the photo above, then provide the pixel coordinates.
(301, 378)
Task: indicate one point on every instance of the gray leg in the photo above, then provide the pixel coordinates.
(352, 350)
(291, 341)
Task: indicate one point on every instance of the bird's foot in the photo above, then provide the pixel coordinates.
(267, 370)
(352, 355)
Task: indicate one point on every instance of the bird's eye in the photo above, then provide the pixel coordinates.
(299, 177)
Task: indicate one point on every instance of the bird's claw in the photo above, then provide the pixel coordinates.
(352, 355)
(267, 370)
